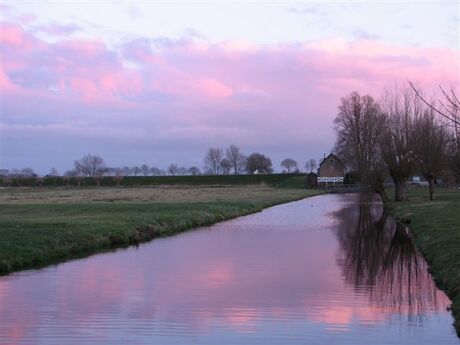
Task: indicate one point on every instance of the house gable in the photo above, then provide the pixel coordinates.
(331, 166)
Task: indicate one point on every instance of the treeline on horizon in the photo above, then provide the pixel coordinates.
(274, 179)
(232, 161)
(398, 135)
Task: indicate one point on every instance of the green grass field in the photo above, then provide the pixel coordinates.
(40, 226)
(436, 228)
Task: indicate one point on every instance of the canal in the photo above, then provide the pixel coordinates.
(331, 269)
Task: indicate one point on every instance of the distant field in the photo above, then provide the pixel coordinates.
(154, 194)
(268, 179)
(39, 226)
(436, 227)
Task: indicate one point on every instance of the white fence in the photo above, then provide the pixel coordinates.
(330, 179)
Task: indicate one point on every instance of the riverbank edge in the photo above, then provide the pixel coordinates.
(142, 234)
(443, 281)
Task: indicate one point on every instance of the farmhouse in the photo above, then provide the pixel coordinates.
(331, 171)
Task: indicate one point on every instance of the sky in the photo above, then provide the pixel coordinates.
(160, 82)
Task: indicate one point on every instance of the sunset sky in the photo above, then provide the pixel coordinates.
(161, 82)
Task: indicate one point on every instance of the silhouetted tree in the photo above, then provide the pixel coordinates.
(136, 171)
(71, 173)
(145, 170)
(359, 126)
(212, 161)
(453, 157)
(126, 171)
(155, 171)
(90, 165)
(430, 148)
(53, 172)
(173, 169)
(182, 171)
(194, 171)
(118, 172)
(289, 164)
(401, 109)
(310, 165)
(109, 171)
(225, 166)
(236, 158)
(24, 172)
(258, 162)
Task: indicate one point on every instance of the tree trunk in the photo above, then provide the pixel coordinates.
(400, 190)
(380, 190)
(431, 188)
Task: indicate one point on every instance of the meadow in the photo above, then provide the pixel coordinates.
(42, 226)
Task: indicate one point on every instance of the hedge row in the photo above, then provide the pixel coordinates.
(269, 179)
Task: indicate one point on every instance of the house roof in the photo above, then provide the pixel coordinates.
(331, 155)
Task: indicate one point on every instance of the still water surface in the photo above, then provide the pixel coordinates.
(331, 269)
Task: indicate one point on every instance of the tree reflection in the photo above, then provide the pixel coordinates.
(378, 256)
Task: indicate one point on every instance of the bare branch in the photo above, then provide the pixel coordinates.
(453, 120)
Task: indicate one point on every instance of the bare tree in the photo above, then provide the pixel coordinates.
(236, 158)
(194, 171)
(257, 162)
(447, 110)
(118, 172)
(53, 172)
(136, 171)
(359, 126)
(90, 165)
(145, 170)
(310, 165)
(126, 171)
(109, 171)
(289, 164)
(225, 166)
(155, 171)
(401, 109)
(27, 172)
(173, 169)
(453, 157)
(71, 173)
(182, 171)
(212, 161)
(430, 148)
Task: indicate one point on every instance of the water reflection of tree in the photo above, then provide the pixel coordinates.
(378, 256)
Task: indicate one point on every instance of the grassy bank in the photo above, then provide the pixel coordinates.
(40, 226)
(436, 228)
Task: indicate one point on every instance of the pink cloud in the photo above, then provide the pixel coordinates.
(183, 67)
(11, 34)
(213, 87)
(192, 89)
